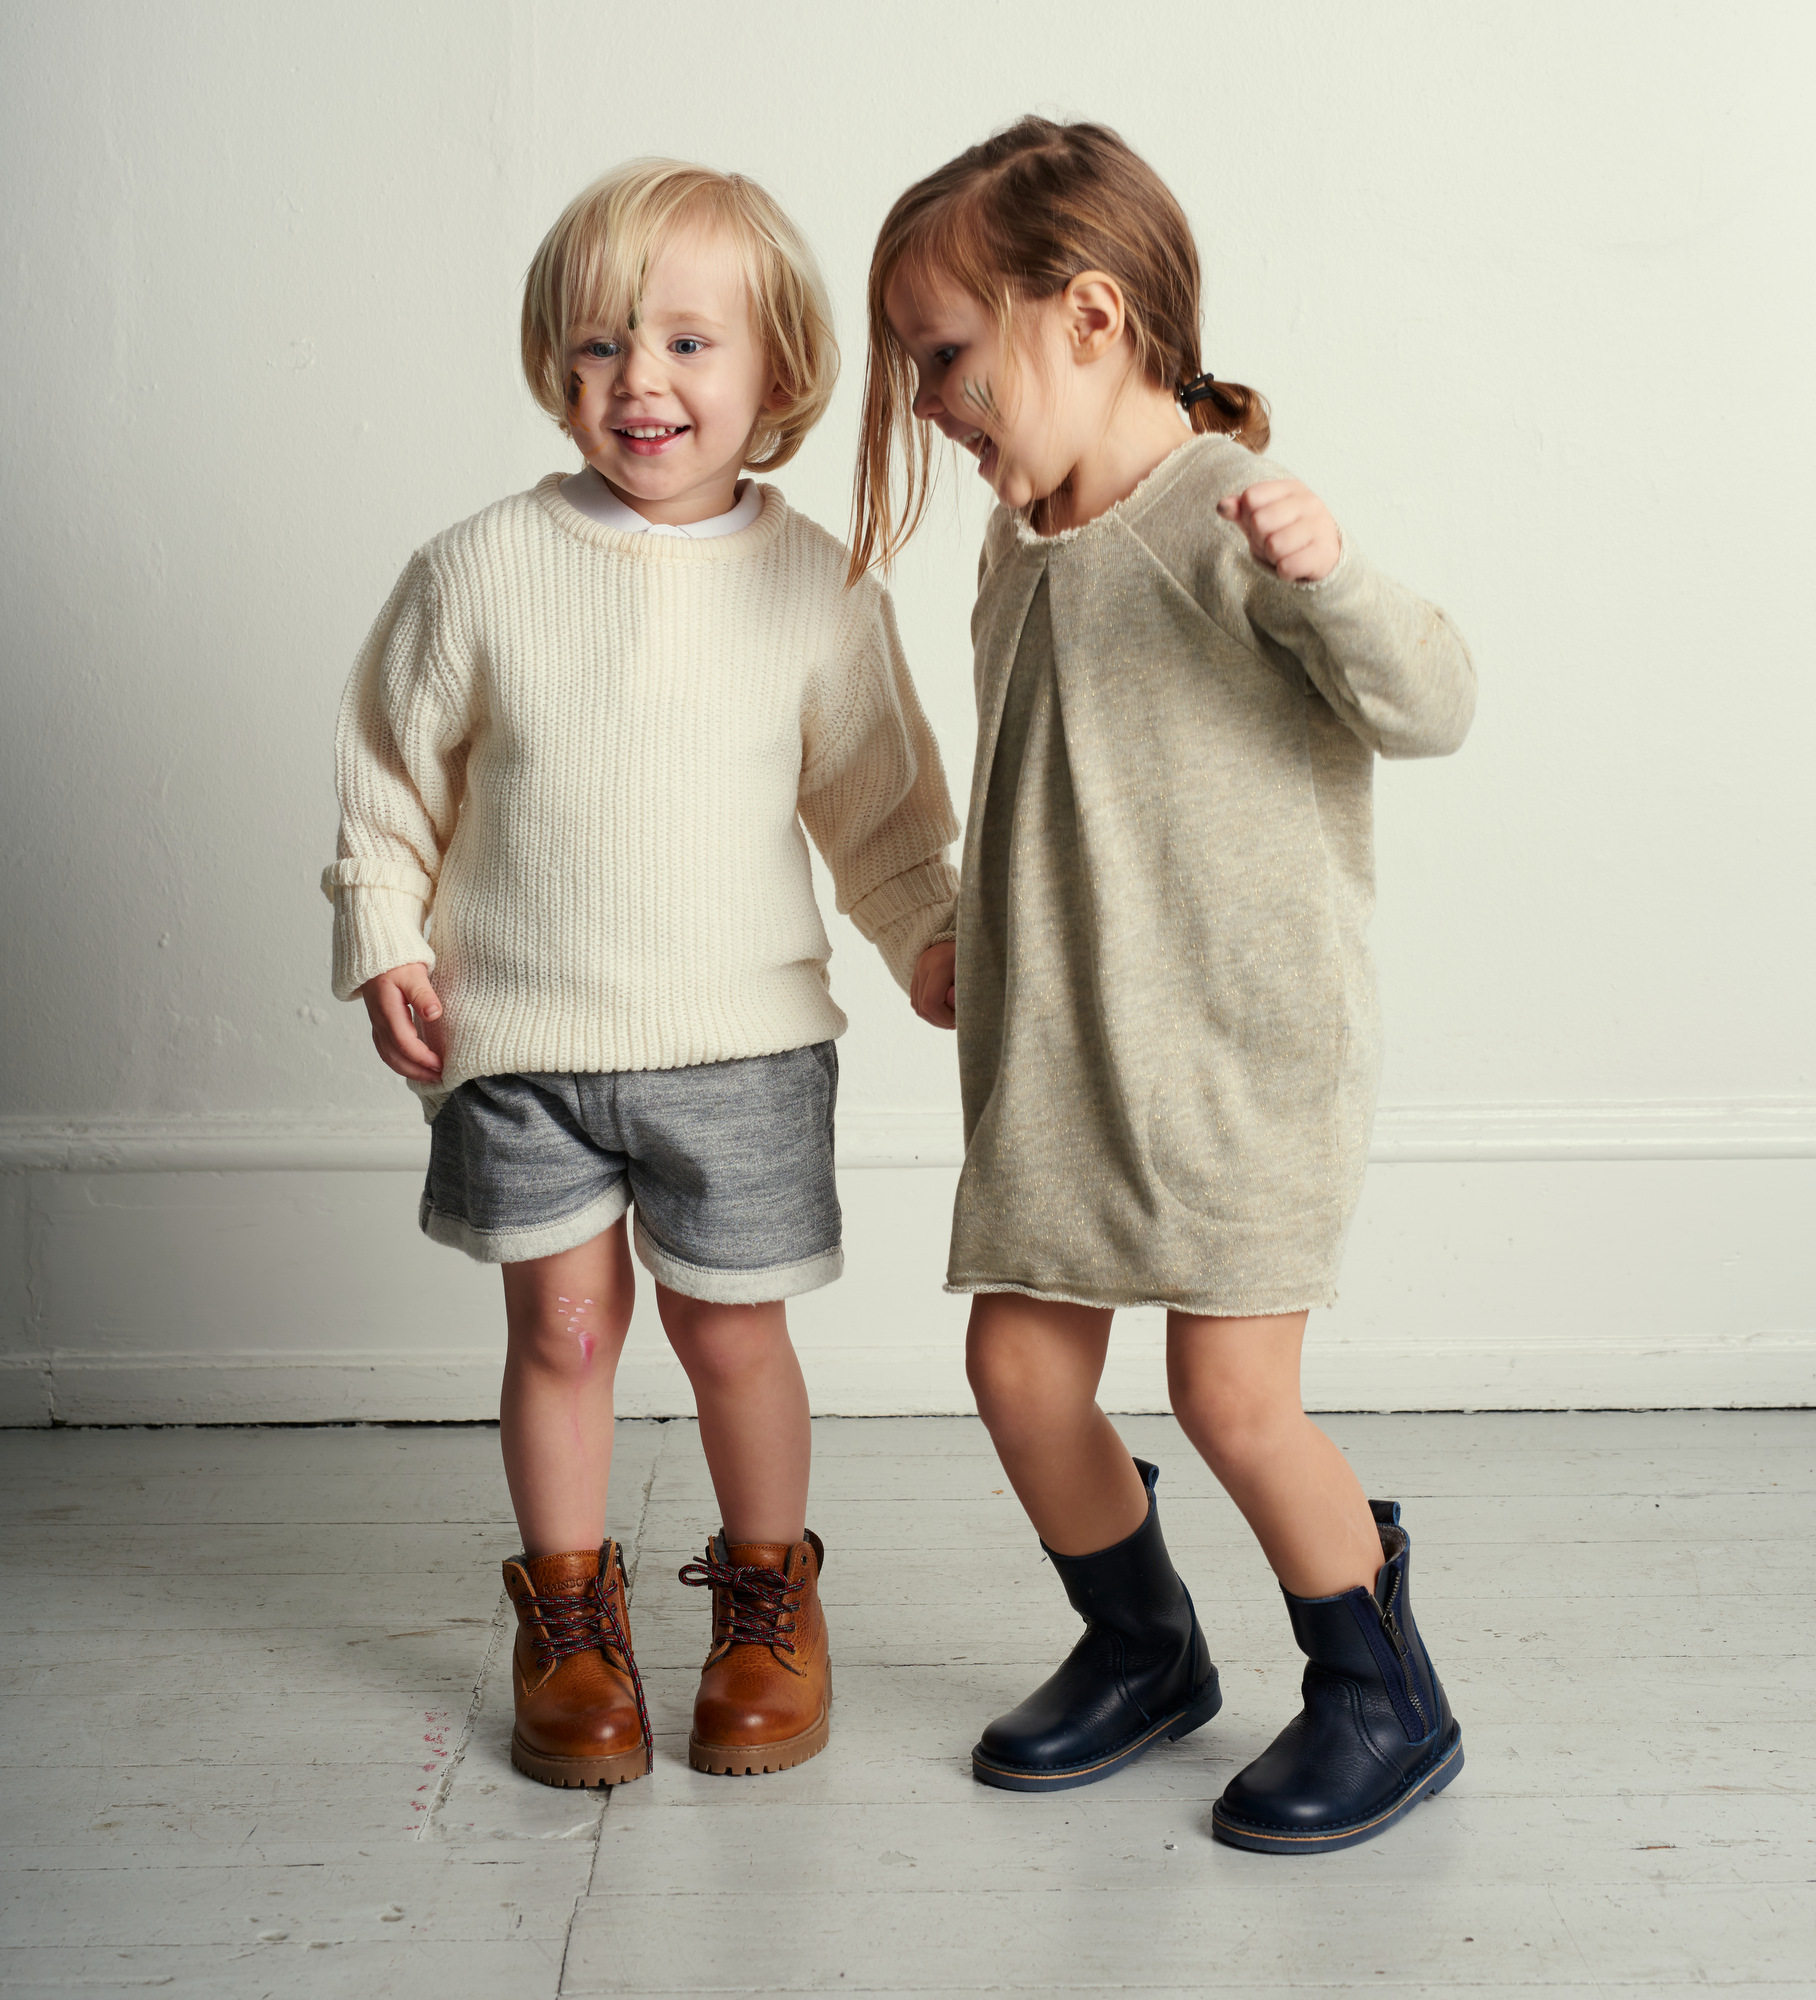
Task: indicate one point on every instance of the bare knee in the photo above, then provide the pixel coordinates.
(997, 1371)
(722, 1346)
(1236, 1423)
(1015, 1383)
(571, 1338)
(574, 1349)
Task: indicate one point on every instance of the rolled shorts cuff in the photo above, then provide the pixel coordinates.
(516, 1246)
(734, 1287)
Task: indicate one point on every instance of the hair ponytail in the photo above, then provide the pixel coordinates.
(1229, 408)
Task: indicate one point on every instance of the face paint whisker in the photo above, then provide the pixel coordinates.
(982, 398)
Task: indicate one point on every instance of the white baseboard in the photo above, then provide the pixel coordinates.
(1696, 1129)
(405, 1388)
(219, 1271)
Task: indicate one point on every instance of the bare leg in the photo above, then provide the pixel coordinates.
(566, 1318)
(755, 1426)
(1034, 1367)
(1235, 1390)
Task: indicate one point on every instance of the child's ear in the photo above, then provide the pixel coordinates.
(778, 396)
(1096, 317)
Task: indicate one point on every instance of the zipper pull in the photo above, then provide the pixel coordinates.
(1389, 1623)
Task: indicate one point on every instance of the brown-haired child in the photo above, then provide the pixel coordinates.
(1168, 1041)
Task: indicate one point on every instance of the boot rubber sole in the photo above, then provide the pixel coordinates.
(751, 1760)
(1205, 1703)
(1284, 1840)
(579, 1771)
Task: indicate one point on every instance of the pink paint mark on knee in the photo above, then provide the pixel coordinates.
(587, 1344)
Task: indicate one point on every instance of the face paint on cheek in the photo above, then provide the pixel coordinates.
(581, 427)
(982, 398)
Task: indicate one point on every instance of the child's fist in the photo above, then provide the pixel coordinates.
(400, 1003)
(931, 992)
(1288, 527)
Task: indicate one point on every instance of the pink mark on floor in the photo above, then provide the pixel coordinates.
(436, 1737)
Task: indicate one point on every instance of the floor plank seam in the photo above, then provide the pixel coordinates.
(500, 1623)
(649, 1487)
(567, 1942)
(1558, 1911)
(630, 1585)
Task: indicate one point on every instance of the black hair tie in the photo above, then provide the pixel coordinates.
(1197, 390)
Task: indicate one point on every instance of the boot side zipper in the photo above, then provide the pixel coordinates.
(1397, 1639)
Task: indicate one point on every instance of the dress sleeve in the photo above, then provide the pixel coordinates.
(1392, 667)
(400, 769)
(873, 792)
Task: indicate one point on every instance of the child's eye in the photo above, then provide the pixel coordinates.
(945, 356)
(601, 350)
(687, 344)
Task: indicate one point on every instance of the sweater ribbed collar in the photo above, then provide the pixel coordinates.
(662, 548)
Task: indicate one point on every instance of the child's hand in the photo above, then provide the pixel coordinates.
(1288, 527)
(392, 999)
(931, 992)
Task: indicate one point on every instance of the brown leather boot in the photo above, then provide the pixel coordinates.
(581, 1719)
(765, 1697)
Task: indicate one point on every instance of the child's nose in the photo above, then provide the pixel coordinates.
(641, 373)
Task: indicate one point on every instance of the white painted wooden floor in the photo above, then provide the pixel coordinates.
(254, 1727)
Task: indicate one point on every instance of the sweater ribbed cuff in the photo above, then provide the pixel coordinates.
(904, 915)
(375, 929)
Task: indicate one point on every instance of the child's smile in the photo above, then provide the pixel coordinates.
(978, 396)
(650, 440)
(981, 445)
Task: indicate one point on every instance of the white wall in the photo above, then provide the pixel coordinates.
(1529, 289)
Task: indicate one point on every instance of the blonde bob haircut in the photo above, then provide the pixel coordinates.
(591, 268)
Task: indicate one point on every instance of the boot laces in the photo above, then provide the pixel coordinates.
(754, 1601)
(586, 1622)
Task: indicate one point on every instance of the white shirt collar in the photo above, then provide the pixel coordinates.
(588, 494)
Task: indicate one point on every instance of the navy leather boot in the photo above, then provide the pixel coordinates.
(1376, 1734)
(1142, 1671)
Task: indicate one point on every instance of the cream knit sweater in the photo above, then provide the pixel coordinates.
(581, 761)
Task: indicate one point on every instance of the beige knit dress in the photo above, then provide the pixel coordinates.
(1168, 1036)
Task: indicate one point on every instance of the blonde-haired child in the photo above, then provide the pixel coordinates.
(1168, 1042)
(578, 749)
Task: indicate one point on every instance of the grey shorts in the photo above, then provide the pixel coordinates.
(729, 1164)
